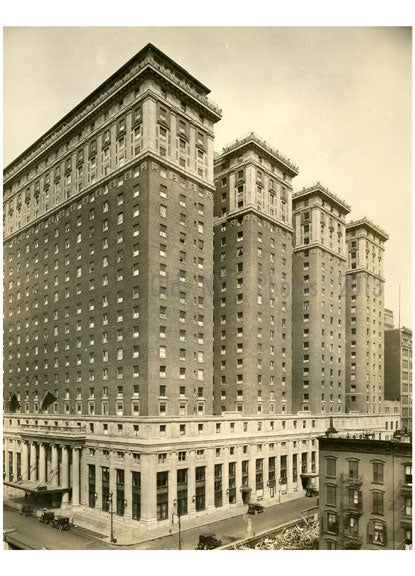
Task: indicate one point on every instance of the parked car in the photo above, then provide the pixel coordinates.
(255, 508)
(27, 510)
(61, 523)
(311, 492)
(208, 541)
(47, 517)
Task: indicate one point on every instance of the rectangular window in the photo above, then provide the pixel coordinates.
(378, 472)
(331, 467)
(378, 507)
(182, 491)
(353, 469)
(162, 495)
(136, 495)
(218, 486)
(200, 478)
(331, 495)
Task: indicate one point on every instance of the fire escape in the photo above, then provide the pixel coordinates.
(351, 506)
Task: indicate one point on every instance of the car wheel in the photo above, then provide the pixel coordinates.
(60, 528)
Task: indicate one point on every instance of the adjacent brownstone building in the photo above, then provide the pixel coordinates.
(365, 493)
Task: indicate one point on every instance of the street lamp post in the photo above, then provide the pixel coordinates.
(179, 522)
(111, 511)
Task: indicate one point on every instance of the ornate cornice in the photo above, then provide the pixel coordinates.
(318, 188)
(148, 58)
(251, 139)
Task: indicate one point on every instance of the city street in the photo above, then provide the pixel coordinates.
(40, 536)
(233, 529)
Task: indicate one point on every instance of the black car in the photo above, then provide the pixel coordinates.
(255, 508)
(208, 541)
(26, 510)
(46, 518)
(61, 523)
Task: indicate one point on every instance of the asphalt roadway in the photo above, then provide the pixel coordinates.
(40, 536)
(232, 529)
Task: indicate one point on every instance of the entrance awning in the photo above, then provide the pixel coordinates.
(32, 488)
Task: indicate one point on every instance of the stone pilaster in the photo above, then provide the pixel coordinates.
(33, 464)
(42, 463)
(25, 460)
(54, 474)
(65, 475)
(75, 476)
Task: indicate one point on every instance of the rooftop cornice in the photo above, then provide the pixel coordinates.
(366, 223)
(252, 139)
(149, 57)
(319, 188)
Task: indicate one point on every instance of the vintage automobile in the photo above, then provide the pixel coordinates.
(61, 523)
(255, 508)
(26, 510)
(208, 541)
(47, 517)
(309, 483)
(311, 492)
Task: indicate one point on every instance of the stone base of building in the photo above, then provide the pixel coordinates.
(147, 470)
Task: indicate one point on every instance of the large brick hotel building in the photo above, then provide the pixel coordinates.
(111, 382)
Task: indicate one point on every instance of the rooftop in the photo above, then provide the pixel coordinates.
(401, 442)
(148, 57)
(252, 139)
(366, 223)
(317, 187)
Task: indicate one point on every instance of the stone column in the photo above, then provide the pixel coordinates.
(148, 490)
(172, 485)
(14, 462)
(83, 479)
(290, 466)
(42, 463)
(225, 483)
(25, 457)
(6, 464)
(238, 478)
(191, 486)
(98, 484)
(128, 487)
(65, 474)
(278, 470)
(75, 476)
(265, 473)
(309, 450)
(210, 481)
(252, 478)
(33, 465)
(54, 474)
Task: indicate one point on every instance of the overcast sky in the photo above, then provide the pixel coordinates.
(337, 101)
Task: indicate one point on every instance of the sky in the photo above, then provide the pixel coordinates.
(335, 100)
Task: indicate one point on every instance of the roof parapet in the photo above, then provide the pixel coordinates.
(365, 222)
(251, 137)
(319, 187)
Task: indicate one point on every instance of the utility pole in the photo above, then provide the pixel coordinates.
(111, 511)
(179, 522)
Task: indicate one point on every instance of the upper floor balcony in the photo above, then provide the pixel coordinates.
(49, 432)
